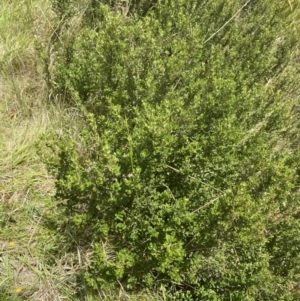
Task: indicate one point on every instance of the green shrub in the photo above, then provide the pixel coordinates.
(173, 176)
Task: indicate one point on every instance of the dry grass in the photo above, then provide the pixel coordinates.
(28, 268)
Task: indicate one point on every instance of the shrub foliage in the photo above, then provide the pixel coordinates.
(181, 174)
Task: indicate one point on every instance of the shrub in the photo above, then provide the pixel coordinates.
(173, 176)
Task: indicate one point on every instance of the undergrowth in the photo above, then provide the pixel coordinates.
(181, 172)
(41, 257)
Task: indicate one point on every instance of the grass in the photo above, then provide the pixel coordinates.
(33, 262)
(29, 269)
